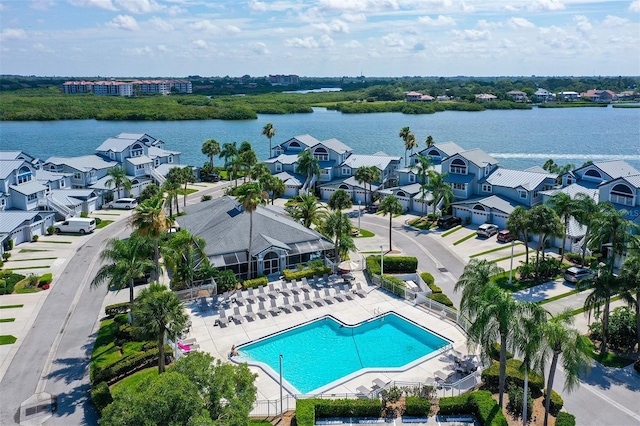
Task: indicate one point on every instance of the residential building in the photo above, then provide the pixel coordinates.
(486, 97)
(418, 97)
(283, 80)
(599, 95)
(517, 96)
(569, 96)
(543, 96)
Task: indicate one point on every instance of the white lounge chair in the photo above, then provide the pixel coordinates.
(262, 311)
(286, 306)
(274, 309)
(379, 383)
(237, 316)
(250, 314)
(251, 296)
(344, 292)
(318, 299)
(261, 293)
(222, 320)
(307, 301)
(297, 303)
(328, 297)
(359, 291)
(273, 292)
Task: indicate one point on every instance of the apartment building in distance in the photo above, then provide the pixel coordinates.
(128, 88)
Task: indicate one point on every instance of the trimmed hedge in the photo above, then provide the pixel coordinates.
(101, 396)
(478, 403)
(441, 298)
(430, 282)
(565, 419)
(556, 403)
(256, 282)
(290, 275)
(416, 406)
(491, 378)
(128, 365)
(494, 353)
(393, 264)
(116, 308)
(46, 279)
(307, 410)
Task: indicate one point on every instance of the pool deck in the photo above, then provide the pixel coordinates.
(218, 340)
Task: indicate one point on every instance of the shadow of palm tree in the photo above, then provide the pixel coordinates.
(70, 369)
(78, 399)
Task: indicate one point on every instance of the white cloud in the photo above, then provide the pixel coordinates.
(483, 24)
(139, 6)
(124, 22)
(614, 21)
(232, 30)
(175, 11)
(354, 17)
(13, 34)
(583, 26)
(259, 48)
(472, 35)
(305, 43)
(518, 23)
(539, 5)
(326, 41)
(163, 48)
(101, 4)
(139, 51)
(42, 48)
(353, 44)
(160, 24)
(634, 6)
(205, 26)
(418, 47)
(200, 44)
(42, 4)
(357, 5)
(440, 21)
(335, 26)
(393, 40)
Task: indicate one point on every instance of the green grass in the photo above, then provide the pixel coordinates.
(106, 214)
(422, 223)
(559, 296)
(188, 191)
(253, 422)
(583, 309)
(198, 185)
(61, 242)
(103, 224)
(7, 319)
(451, 231)
(31, 250)
(27, 268)
(500, 259)
(105, 351)
(494, 250)
(7, 339)
(11, 306)
(35, 258)
(461, 240)
(502, 281)
(131, 382)
(608, 359)
(365, 234)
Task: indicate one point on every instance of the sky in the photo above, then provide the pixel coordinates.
(319, 38)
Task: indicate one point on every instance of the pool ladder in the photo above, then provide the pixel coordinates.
(377, 311)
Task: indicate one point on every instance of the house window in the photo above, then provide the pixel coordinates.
(412, 178)
(24, 175)
(321, 154)
(346, 171)
(294, 145)
(136, 151)
(62, 183)
(569, 180)
(459, 186)
(621, 194)
(458, 166)
(535, 194)
(486, 187)
(156, 162)
(434, 153)
(2, 202)
(112, 155)
(32, 197)
(139, 166)
(170, 160)
(325, 172)
(278, 167)
(77, 176)
(593, 173)
(523, 194)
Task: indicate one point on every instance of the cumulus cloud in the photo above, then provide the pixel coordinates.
(205, 26)
(42, 4)
(483, 24)
(124, 22)
(357, 5)
(139, 51)
(354, 17)
(335, 26)
(200, 44)
(232, 30)
(440, 21)
(539, 5)
(326, 41)
(558, 38)
(101, 4)
(160, 24)
(259, 48)
(139, 6)
(634, 6)
(472, 35)
(518, 23)
(615, 21)
(393, 40)
(353, 44)
(163, 48)
(583, 26)
(13, 34)
(305, 43)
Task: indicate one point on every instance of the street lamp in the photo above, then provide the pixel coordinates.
(281, 412)
(381, 261)
(359, 214)
(513, 243)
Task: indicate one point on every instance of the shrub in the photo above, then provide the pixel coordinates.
(256, 282)
(441, 298)
(399, 284)
(305, 412)
(556, 403)
(415, 406)
(347, 408)
(117, 308)
(4, 289)
(5, 255)
(34, 238)
(127, 365)
(84, 214)
(478, 403)
(515, 405)
(430, 282)
(98, 221)
(290, 275)
(491, 378)
(393, 264)
(10, 280)
(46, 279)
(565, 419)
(1, 263)
(101, 396)
(51, 230)
(495, 352)
(205, 198)
(577, 258)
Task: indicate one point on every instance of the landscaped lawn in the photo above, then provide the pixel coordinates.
(364, 234)
(421, 223)
(133, 380)
(7, 339)
(7, 319)
(609, 359)
(10, 306)
(103, 224)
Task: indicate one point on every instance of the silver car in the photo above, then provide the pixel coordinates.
(576, 274)
(123, 203)
(487, 230)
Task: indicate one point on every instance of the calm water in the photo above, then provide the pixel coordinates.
(518, 139)
(323, 351)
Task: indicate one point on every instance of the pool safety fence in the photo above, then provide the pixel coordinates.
(205, 288)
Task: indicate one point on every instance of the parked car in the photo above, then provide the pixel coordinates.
(82, 225)
(576, 274)
(372, 208)
(123, 203)
(448, 221)
(211, 178)
(504, 236)
(487, 230)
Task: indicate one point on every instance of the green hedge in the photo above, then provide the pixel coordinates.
(116, 308)
(416, 406)
(127, 365)
(307, 410)
(393, 264)
(10, 280)
(491, 377)
(430, 282)
(256, 282)
(565, 419)
(441, 298)
(101, 396)
(556, 403)
(290, 275)
(46, 279)
(479, 403)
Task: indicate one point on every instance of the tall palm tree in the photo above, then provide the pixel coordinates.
(258, 171)
(337, 226)
(172, 188)
(564, 207)
(251, 195)
(518, 223)
(605, 285)
(475, 276)
(422, 167)
(560, 338)
(391, 206)
(429, 141)
(530, 347)
(308, 166)
(440, 189)
(612, 228)
(269, 131)
(175, 179)
(545, 223)
(149, 220)
(228, 152)
(340, 200)
(159, 313)
(118, 178)
(585, 209)
(368, 175)
(630, 287)
(408, 138)
(273, 185)
(186, 176)
(308, 210)
(211, 148)
(184, 255)
(126, 260)
(248, 159)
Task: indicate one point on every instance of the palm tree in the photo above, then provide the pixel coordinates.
(518, 223)
(258, 171)
(368, 175)
(530, 346)
(248, 159)
(409, 140)
(564, 207)
(422, 166)
(269, 131)
(340, 200)
(440, 189)
(307, 166)
(172, 188)
(228, 152)
(585, 208)
(273, 185)
(251, 195)
(118, 178)
(560, 338)
(613, 229)
(599, 300)
(475, 276)
(184, 255)
(186, 176)
(126, 260)
(149, 220)
(391, 206)
(338, 226)
(308, 210)
(630, 287)
(211, 148)
(159, 313)
(429, 141)
(545, 223)
(172, 185)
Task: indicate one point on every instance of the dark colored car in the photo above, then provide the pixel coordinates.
(372, 208)
(211, 178)
(505, 236)
(448, 221)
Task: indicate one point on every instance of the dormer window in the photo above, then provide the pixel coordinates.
(458, 167)
(294, 144)
(137, 150)
(621, 194)
(523, 193)
(486, 187)
(170, 159)
(346, 171)
(412, 178)
(112, 155)
(24, 175)
(592, 173)
(321, 154)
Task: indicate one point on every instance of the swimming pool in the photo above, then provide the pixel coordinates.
(325, 350)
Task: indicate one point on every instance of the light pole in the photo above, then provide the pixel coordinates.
(381, 261)
(513, 243)
(359, 214)
(281, 412)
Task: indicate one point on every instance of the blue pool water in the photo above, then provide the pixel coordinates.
(323, 351)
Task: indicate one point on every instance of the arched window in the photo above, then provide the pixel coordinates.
(434, 153)
(271, 263)
(344, 186)
(24, 175)
(294, 144)
(621, 194)
(137, 150)
(401, 194)
(593, 173)
(458, 166)
(321, 154)
(479, 207)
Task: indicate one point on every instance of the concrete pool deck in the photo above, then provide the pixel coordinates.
(218, 340)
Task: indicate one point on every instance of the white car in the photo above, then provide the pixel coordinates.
(123, 203)
(487, 230)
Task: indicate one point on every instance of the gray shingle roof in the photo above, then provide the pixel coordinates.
(449, 148)
(351, 181)
(142, 159)
(493, 202)
(575, 189)
(48, 176)
(9, 166)
(511, 178)
(29, 187)
(9, 155)
(12, 219)
(306, 140)
(356, 161)
(283, 159)
(633, 180)
(478, 157)
(83, 163)
(290, 179)
(225, 233)
(337, 146)
(123, 140)
(155, 152)
(613, 168)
